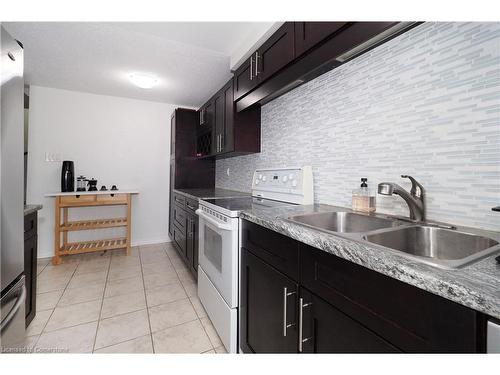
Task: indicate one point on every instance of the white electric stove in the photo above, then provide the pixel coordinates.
(219, 244)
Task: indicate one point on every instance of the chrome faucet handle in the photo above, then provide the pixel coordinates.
(417, 190)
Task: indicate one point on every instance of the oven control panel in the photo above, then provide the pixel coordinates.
(286, 184)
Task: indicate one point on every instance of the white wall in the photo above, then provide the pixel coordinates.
(118, 141)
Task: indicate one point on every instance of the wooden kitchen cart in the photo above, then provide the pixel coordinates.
(64, 201)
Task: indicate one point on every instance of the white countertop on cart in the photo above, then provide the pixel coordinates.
(126, 191)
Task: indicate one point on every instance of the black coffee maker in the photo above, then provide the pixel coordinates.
(67, 176)
(92, 183)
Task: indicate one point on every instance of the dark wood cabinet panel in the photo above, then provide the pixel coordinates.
(309, 34)
(231, 134)
(276, 52)
(179, 218)
(318, 59)
(326, 329)
(180, 242)
(171, 200)
(412, 319)
(30, 269)
(244, 78)
(229, 123)
(275, 249)
(192, 243)
(30, 264)
(189, 171)
(186, 170)
(219, 125)
(264, 308)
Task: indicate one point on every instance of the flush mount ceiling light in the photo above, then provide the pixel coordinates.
(144, 81)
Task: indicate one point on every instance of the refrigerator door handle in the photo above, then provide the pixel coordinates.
(12, 313)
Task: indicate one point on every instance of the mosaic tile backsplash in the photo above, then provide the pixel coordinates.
(426, 103)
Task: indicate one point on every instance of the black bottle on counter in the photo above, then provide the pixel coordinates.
(67, 176)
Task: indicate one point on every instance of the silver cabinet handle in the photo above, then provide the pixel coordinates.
(251, 68)
(285, 319)
(302, 340)
(257, 63)
(221, 145)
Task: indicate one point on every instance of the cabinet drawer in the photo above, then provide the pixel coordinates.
(115, 199)
(179, 218)
(275, 249)
(409, 318)
(180, 241)
(191, 205)
(179, 199)
(70, 200)
(30, 225)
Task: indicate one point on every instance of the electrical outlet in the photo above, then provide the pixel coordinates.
(53, 156)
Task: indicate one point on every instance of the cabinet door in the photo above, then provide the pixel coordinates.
(180, 242)
(268, 314)
(308, 34)
(195, 232)
(209, 123)
(324, 329)
(219, 121)
(30, 267)
(171, 200)
(275, 53)
(244, 78)
(228, 132)
(189, 241)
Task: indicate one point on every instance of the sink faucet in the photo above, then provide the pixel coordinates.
(414, 199)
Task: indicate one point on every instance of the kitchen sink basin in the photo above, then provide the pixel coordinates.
(344, 222)
(443, 247)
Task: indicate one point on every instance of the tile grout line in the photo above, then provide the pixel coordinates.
(146, 298)
(102, 302)
(54, 309)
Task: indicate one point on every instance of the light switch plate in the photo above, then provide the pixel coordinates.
(53, 156)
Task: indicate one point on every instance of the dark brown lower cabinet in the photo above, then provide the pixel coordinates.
(336, 306)
(30, 264)
(192, 243)
(326, 329)
(185, 230)
(268, 310)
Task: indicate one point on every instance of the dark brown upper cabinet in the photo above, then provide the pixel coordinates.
(309, 34)
(275, 53)
(244, 78)
(231, 133)
(320, 47)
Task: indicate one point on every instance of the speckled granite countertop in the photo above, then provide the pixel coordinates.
(210, 193)
(30, 208)
(476, 286)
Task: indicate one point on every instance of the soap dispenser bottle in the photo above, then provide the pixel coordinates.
(363, 199)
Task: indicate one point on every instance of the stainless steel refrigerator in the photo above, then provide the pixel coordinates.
(13, 294)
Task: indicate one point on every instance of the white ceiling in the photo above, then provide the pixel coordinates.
(191, 59)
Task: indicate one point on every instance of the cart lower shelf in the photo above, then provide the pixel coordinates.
(94, 224)
(94, 245)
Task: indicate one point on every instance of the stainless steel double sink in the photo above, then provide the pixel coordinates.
(439, 245)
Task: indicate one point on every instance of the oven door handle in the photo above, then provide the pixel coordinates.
(203, 215)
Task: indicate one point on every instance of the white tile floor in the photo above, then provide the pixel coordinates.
(113, 303)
